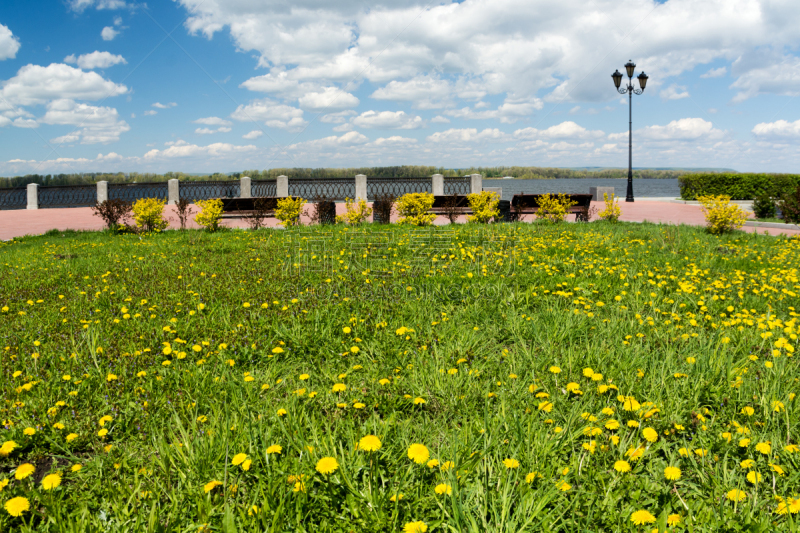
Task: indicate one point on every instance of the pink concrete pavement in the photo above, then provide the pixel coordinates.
(21, 222)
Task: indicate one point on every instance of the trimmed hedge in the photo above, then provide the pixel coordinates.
(737, 186)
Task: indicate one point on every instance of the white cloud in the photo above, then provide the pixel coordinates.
(25, 123)
(394, 141)
(715, 73)
(80, 5)
(95, 60)
(396, 120)
(329, 99)
(9, 45)
(565, 130)
(575, 110)
(337, 118)
(685, 129)
(271, 114)
(35, 84)
(213, 121)
(184, 149)
(766, 72)
(352, 138)
(164, 106)
(96, 124)
(439, 119)
(209, 131)
(109, 33)
(150, 112)
(424, 91)
(779, 128)
(466, 135)
(674, 92)
(255, 134)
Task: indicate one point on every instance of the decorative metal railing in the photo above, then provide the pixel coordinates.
(262, 188)
(457, 185)
(68, 196)
(205, 190)
(397, 187)
(330, 188)
(130, 192)
(14, 198)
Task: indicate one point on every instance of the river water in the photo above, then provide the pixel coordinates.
(642, 188)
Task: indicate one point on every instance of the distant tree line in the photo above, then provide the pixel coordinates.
(406, 171)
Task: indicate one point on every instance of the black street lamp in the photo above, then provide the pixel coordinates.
(617, 76)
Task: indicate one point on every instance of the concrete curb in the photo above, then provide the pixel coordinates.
(775, 225)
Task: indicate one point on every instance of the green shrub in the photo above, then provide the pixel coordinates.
(737, 186)
(484, 206)
(764, 207)
(789, 205)
(148, 213)
(413, 209)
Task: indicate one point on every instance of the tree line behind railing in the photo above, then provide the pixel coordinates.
(406, 171)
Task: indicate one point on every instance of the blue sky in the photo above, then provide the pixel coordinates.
(226, 85)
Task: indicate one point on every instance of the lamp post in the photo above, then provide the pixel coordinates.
(617, 76)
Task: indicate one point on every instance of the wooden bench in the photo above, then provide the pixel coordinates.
(528, 204)
(459, 205)
(241, 207)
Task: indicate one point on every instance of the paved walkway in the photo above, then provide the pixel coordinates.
(21, 222)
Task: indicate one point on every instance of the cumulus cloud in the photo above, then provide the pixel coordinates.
(778, 129)
(80, 5)
(183, 149)
(96, 124)
(685, 129)
(715, 73)
(565, 130)
(392, 120)
(674, 92)
(209, 131)
(109, 33)
(337, 118)
(213, 121)
(9, 44)
(351, 138)
(95, 60)
(35, 84)
(467, 135)
(329, 99)
(164, 106)
(150, 112)
(763, 72)
(425, 92)
(255, 134)
(272, 114)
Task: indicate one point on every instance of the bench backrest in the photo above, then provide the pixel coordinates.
(532, 200)
(248, 204)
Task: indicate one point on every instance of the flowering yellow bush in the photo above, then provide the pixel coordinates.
(484, 206)
(289, 210)
(210, 214)
(721, 215)
(413, 209)
(612, 211)
(149, 214)
(554, 207)
(356, 212)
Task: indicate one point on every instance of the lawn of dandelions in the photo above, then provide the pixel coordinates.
(517, 377)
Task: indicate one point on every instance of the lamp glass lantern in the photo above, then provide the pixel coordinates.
(642, 80)
(617, 78)
(629, 66)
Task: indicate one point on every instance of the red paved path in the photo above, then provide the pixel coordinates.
(21, 222)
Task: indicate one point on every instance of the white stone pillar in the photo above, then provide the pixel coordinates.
(437, 182)
(33, 196)
(244, 187)
(476, 183)
(361, 187)
(173, 191)
(102, 191)
(282, 187)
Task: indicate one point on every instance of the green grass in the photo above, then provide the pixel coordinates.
(190, 344)
(771, 219)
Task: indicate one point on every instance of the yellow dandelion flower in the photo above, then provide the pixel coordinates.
(419, 401)
(754, 477)
(238, 459)
(650, 434)
(327, 465)
(51, 481)
(8, 447)
(622, 466)
(24, 470)
(764, 448)
(736, 495)
(418, 453)
(642, 517)
(211, 485)
(415, 527)
(274, 449)
(673, 520)
(369, 443)
(17, 506)
(443, 488)
(511, 463)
